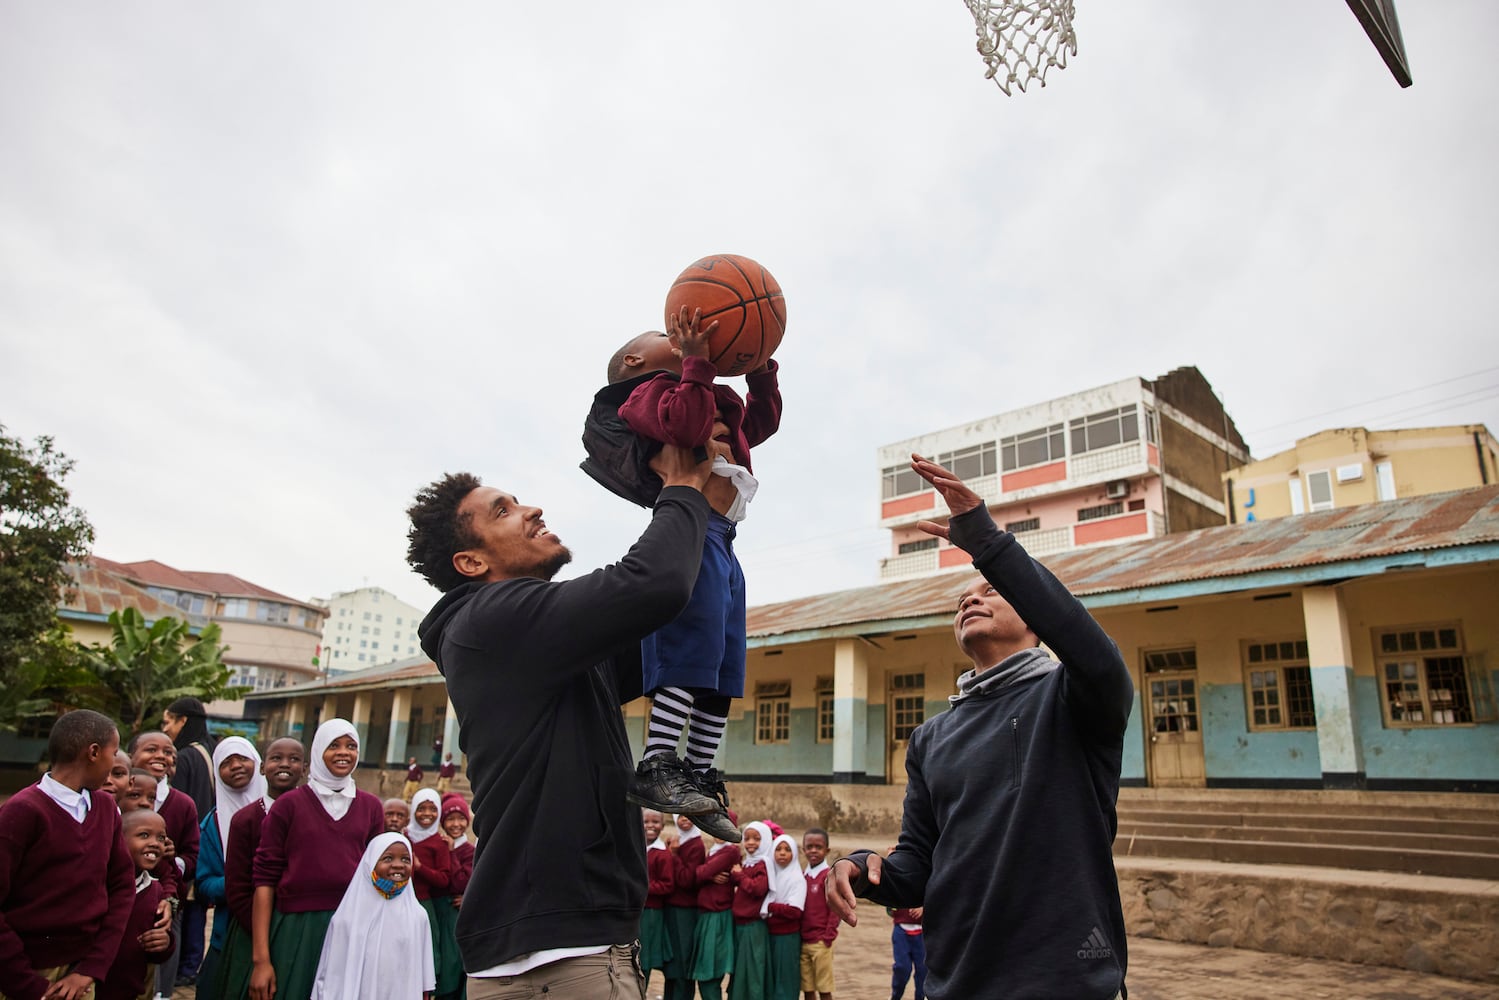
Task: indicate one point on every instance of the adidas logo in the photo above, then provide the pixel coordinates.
(1096, 946)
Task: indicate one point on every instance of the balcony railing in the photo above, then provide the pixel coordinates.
(1092, 463)
(910, 564)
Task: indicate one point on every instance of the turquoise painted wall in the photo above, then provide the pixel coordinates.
(1133, 764)
(1230, 750)
(803, 755)
(1450, 753)
(874, 742)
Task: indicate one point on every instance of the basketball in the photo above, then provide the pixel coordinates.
(745, 300)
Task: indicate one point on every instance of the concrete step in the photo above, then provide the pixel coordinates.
(1452, 864)
(1430, 805)
(1392, 822)
(1348, 836)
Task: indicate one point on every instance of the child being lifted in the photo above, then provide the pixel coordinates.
(694, 666)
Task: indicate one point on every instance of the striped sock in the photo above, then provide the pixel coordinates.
(710, 716)
(670, 709)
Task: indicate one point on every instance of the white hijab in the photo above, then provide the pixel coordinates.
(415, 832)
(762, 854)
(787, 885)
(691, 833)
(227, 801)
(336, 794)
(376, 948)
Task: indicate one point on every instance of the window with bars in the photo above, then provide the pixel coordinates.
(773, 712)
(1029, 524)
(1157, 660)
(967, 463)
(1102, 510)
(1104, 430)
(1037, 447)
(1428, 679)
(907, 704)
(1278, 685)
(824, 709)
(921, 545)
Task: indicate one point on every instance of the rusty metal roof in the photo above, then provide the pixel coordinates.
(1325, 539)
(98, 589)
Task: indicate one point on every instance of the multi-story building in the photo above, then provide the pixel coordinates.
(1353, 465)
(1127, 461)
(272, 639)
(366, 627)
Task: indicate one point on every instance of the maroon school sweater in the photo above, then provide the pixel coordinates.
(680, 411)
(819, 922)
(712, 897)
(181, 818)
(127, 976)
(463, 866)
(662, 875)
(750, 887)
(239, 861)
(306, 855)
(435, 876)
(687, 857)
(66, 889)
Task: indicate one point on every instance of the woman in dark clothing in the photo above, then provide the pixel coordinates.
(186, 723)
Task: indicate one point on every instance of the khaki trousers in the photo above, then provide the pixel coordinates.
(610, 975)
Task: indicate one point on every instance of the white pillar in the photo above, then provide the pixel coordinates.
(850, 711)
(1331, 658)
(400, 724)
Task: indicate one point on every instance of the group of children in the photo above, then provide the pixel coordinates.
(714, 909)
(308, 882)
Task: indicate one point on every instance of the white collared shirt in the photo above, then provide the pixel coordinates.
(75, 804)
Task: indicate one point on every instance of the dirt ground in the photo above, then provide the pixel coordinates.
(1165, 970)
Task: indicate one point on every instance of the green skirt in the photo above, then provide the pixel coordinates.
(751, 962)
(231, 975)
(208, 974)
(655, 948)
(296, 950)
(785, 967)
(442, 917)
(712, 946)
(681, 922)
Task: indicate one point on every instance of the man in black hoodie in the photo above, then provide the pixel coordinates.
(537, 672)
(1009, 819)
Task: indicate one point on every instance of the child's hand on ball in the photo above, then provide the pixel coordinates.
(687, 340)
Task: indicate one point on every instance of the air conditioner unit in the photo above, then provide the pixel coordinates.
(1117, 489)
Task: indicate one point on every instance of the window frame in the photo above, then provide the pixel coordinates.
(1296, 658)
(1055, 436)
(1477, 691)
(827, 726)
(772, 713)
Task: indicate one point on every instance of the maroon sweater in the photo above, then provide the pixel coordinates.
(819, 922)
(435, 876)
(783, 918)
(239, 861)
(66, 890)
(181, 817)
(127, 976)
(687, 856)
(750, 887)
(306, 855)
(712, 897)
(680, 412)
(463, 866)
(661, 871)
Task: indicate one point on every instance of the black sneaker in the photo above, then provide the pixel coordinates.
(710, 782)
(718, 825)
(663, 783)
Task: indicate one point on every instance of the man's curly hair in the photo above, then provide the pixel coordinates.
(438, 530)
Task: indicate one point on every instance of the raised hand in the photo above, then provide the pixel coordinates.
(959, 498)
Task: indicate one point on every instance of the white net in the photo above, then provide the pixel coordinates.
(1021, 39)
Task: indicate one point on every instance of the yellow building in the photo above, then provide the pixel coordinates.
(1353, 465)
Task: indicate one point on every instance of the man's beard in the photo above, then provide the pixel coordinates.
(554, 565)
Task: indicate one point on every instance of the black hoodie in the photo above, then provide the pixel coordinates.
(536, 672)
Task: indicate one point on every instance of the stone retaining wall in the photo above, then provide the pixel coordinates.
(1443, 925)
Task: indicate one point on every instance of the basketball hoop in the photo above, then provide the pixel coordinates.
(1021, 39)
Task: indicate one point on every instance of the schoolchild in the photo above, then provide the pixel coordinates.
(378, 945)
(237, 782)
(907, 951)
(455, 822)
(140, 793)
(432, 860)
(782, 908)
(119, 776)
(148, 937)
(819, 922)
(681, 909)
(751, 935)
(283, 769)
(713, 936)
(67, 884)
(397, 815)
(655, 948)
(310, 847)
(695, 665)
(153, 751)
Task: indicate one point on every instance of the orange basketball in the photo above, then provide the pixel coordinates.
(744, 298)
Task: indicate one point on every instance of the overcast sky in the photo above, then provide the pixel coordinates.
(267, 268)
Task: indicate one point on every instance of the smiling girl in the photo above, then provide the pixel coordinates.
(237, 782)
(310, 847)
(379, 944)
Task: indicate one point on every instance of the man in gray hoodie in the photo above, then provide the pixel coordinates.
(1009, 817)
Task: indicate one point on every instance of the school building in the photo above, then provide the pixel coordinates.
(1348, 648)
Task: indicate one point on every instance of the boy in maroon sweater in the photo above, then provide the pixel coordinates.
(819, 922)
(694, 666)
(66, 881)
(147, 937)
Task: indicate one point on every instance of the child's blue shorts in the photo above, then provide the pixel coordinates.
(703, 647)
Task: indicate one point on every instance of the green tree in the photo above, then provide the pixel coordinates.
(147, 667)
(40, 533)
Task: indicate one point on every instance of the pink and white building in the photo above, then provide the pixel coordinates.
(1135, 459)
